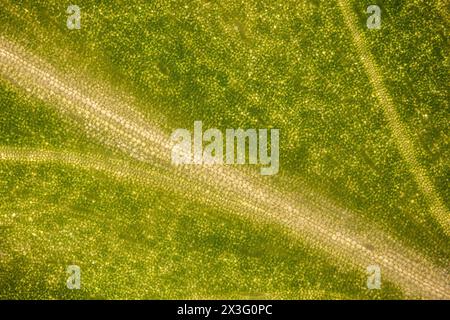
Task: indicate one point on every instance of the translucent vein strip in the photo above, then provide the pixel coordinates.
(402, 138)
(224, 188)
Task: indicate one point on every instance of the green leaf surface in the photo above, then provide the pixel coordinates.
(86, 176)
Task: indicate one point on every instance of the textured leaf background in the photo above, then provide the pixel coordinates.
(85, 171)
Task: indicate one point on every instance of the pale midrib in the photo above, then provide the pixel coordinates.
(241, 194)
(400, 133)
(331, 237)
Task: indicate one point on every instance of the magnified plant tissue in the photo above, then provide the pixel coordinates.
(209, 149)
